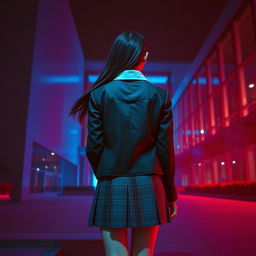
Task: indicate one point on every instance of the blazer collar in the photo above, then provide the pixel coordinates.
(131, 74)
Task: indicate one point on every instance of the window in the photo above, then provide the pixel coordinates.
(228, 55)
(184, 178)
(189, 132)
(217, 102)
(195, 119)
(233, 96)
(194, 94)
(176, 141)
(250, 81)
(246, 33)
(184, 136)
(206, 117)
(180, 142)
(215, 170)
(202, 83)
(251, 158)
(186, 100)
(186, 131)
(237, 164)
(208, 172)
(180, 110)
(214, 71)
(175, 117)
(196, 175)
(201, 173)
(190, 176)
(222, 168)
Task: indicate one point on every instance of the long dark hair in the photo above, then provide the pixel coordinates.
(127, 52)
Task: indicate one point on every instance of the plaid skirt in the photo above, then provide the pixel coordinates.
(129, 201)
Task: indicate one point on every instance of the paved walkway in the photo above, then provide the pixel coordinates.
(204, 226)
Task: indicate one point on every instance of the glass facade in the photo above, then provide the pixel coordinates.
(250, 78)
(216, 114)
(49, 171)
(228, 55)
(247, 33)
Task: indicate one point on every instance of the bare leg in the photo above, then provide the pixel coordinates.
(143, 240)
(115, 241)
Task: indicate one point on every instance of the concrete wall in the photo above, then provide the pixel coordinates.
(56, 81)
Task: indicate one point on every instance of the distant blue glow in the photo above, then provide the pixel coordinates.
(62, 79)
(82, 150)
(215, 80)
(74, 131)
(152, 79)
(158, 79)
(202, 80)
(196, 132)
(92, 78)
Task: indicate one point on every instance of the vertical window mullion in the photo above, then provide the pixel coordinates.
(239, 71)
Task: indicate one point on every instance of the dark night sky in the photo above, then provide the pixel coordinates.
(174, 29)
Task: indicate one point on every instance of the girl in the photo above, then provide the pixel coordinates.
(130, 148)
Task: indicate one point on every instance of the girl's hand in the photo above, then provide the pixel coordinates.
(172, 206)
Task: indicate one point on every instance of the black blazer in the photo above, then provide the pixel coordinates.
(130, 131)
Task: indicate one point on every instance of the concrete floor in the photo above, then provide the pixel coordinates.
(204, 226)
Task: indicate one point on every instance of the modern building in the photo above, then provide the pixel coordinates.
(213, 101)
(215, 114)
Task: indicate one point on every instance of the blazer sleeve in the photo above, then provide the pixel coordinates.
(95, 145)
(165, 149)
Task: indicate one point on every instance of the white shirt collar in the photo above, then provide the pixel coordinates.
(131, 74)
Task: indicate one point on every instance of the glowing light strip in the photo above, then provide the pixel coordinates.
(158, 79)
(62, 79)
(92, 78)
(5, 196)
(152, 79)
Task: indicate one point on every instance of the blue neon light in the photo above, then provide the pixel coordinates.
(202, 80)
(152, 79)
(158, 79)
(75, 131)
(215, 80)
(62, 79)
(92, 78)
